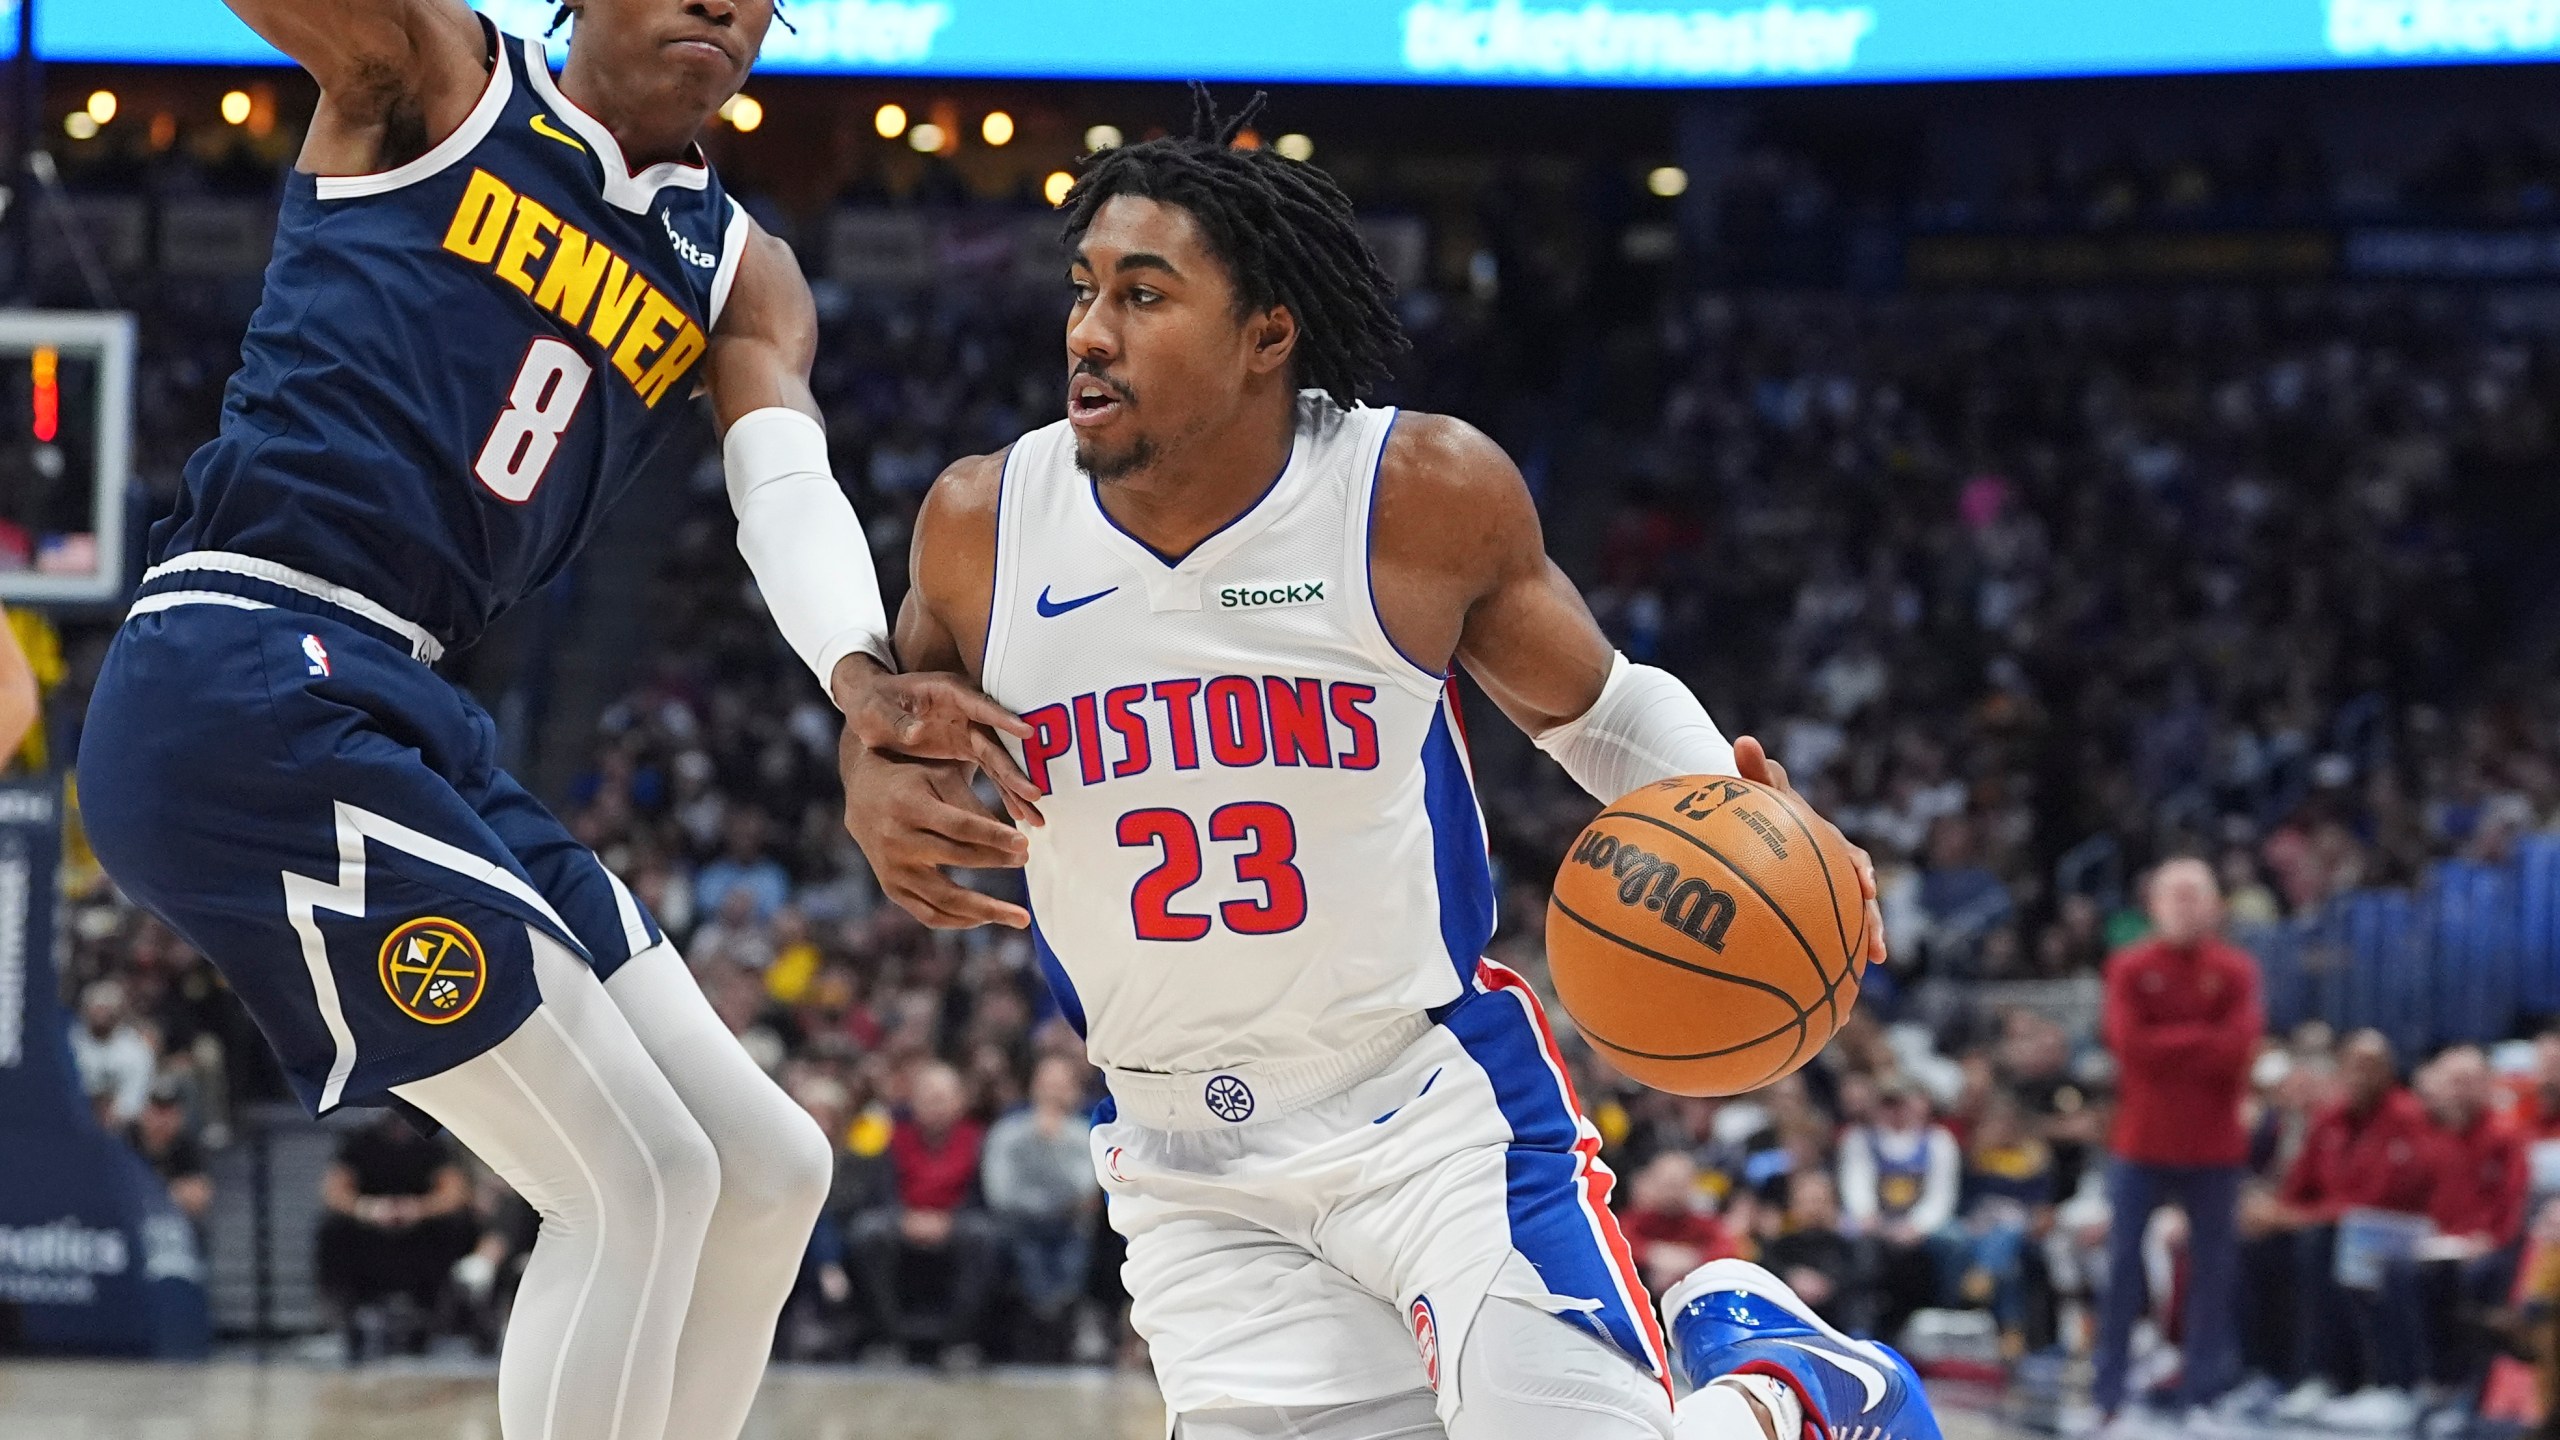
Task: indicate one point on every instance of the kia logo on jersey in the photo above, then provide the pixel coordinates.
(1426, 1339)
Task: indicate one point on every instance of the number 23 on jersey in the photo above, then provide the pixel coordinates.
(1271, 837)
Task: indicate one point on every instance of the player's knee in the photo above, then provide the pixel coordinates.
(681, 1174)
(779, 1174)
(1526, 1375)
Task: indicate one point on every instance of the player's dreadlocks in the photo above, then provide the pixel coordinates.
(1284, 230)
(561, 16)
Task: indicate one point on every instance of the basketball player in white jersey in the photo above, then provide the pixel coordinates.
(1359, 1195)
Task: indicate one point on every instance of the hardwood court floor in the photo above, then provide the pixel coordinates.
(46, 1400)
(232, 1400)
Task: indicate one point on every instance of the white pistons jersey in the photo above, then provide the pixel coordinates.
(1263, 848)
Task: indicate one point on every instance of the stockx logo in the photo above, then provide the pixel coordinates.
(1270, 594)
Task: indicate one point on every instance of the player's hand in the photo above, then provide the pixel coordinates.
(914, 817)
(1752, 762)
(934, 715)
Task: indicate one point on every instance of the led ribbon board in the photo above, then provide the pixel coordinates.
(1546, 42)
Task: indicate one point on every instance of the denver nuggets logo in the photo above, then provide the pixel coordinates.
(434, 970)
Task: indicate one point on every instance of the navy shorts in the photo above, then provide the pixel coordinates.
(323, 816)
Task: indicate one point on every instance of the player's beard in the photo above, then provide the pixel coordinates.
(1105, 466)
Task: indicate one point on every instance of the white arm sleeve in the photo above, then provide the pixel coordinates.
(1645, 726)
(801, 538)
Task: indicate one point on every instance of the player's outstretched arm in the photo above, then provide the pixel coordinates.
(1462, 572)
(909, 740)
(806, 546)
(396, 76)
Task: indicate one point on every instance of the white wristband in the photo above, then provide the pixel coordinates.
(1645, 726)
(801, 538)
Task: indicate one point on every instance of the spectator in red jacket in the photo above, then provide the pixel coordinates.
(2534, 1100)
(2183, 1019)
(2479, 1210)
(1665, 1226)
(2376, 1149)
(2482, 1174)
(936, 1223)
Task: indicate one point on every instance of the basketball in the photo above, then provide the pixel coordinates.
(1703, 932)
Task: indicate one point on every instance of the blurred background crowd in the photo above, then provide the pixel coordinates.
(2032, 590)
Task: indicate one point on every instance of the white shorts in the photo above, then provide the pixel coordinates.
(1341, 1252)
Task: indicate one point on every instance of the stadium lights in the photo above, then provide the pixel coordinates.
(1667, 181)
(1102, 137)
(45, 368)
(997, 128)
(1295, 147)
(79, 126)
(102, 105)
(890, 121)
(1057, 186)
(235, 108)
(926, 138)
(743, 112)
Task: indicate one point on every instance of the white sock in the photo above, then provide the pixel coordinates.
(1723, 1411)
(775, 1169)
(573, 1113)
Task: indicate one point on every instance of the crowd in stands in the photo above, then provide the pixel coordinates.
(2030, 593)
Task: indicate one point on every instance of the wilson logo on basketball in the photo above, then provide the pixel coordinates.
(1685, 903)
(434, 970)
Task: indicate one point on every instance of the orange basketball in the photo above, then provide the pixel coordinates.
(1703, 934)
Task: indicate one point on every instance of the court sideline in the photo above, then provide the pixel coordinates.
(438, 1400)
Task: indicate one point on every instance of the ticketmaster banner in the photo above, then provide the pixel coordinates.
(94, 1259)
(1546, 42)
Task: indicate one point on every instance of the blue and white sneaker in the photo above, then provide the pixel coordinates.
(1730, 1317)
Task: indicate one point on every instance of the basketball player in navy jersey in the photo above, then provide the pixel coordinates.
(494, 296)
(1227, 598)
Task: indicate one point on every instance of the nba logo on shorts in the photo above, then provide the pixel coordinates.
(1426, 1338)
(316, 653)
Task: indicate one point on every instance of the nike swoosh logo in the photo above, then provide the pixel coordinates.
(1418, 1094)
(1051, 609)
(1858, 1370)
(542, 126)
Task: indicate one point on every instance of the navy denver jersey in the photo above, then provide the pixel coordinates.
(460, 363)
